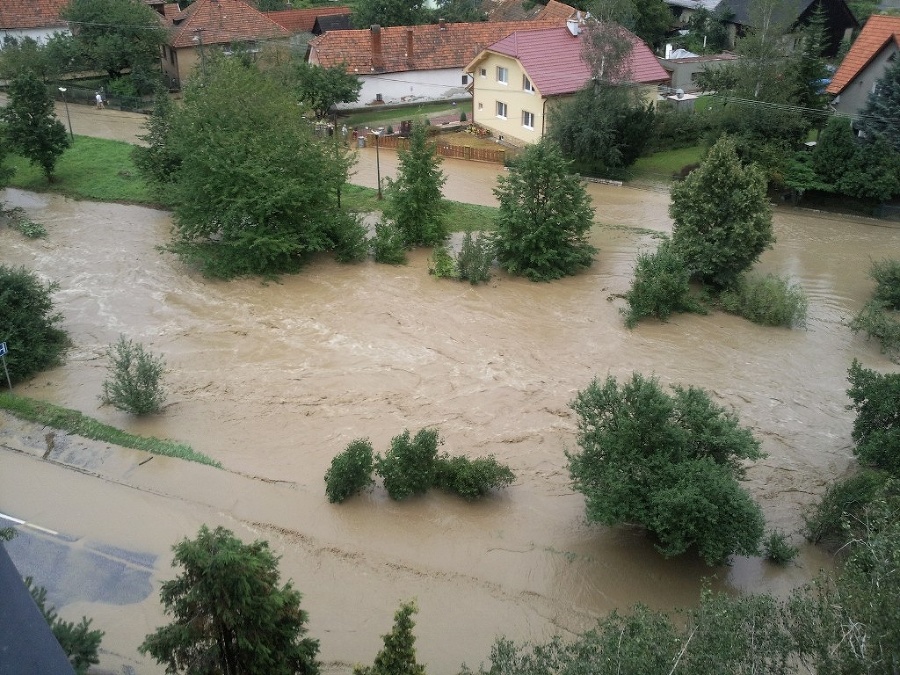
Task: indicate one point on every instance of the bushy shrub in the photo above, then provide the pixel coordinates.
(134, 380)
(389, 245)
(673, 129)
(886, 274)
(768, 301)
(876, 429)
(441, 263)
(351, 243)
(778, 549)
(350, 472)
(473, 263)
(661, 286)
(462, 116)
(472, 478)
(877, 321)
(409, 468)
(28, 324)
(842, 505)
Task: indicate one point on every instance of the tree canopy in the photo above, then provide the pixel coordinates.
(31, 127)
(668, 462)
(322, 88)
(545, 216)
(117, 37)
(229, 613)
(723, 220)
(254, 190)
(389, 13)
(881, 114)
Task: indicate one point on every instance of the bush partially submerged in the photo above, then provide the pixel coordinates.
(473, 263)
(472, 478)
(768, 301)
(408, 468)
(134, 381)
(661, 287)
(388, 245)
(778, 549)
(350, 472)
(842, 506)
(880, 317)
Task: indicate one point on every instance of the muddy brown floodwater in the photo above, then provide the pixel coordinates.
(273, 379)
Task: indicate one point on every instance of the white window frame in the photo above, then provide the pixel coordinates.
(527, 85)
(525, 120)
(502, 75)
(501, 106)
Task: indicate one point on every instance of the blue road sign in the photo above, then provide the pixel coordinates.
(3, 349)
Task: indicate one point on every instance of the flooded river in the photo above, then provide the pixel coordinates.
(273, 379)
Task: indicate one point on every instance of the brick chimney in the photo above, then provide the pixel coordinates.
(409, 44)
(377, 58)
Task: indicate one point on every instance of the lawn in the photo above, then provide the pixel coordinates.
(92, 168)
(662, 166)
(380, 116)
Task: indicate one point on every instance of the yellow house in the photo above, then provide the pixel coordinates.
(516, 80)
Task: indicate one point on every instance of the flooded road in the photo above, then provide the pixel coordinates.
(273, 379)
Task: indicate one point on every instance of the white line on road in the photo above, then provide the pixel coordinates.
(18, 521)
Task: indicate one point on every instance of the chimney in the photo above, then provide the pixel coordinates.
(409, 44)
(377, 59)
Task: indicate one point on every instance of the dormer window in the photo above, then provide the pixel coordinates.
(526, 85)
(502, 75)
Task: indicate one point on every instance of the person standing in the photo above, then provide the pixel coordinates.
(99, 101)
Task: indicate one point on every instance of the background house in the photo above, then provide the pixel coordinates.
(516, 78)
(684, 67)
(214, 24)
(37, 19)
(414, 63)
(877, 45)
(304, 24)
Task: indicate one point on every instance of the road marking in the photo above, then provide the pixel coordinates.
(23, 523)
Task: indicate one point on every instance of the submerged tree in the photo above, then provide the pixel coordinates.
(723, 220)
(415, 200)
(32, 129)
(398, 656)
(229, 613)
(545, 217)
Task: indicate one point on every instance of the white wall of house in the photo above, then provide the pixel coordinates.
(417, 85)
(853, 98)
(39, 35)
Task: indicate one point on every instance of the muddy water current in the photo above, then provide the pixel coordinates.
(273, 379)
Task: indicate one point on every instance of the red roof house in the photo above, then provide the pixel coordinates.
(37, 19)
(515, 78)
(426, 62)
(865, 63)
(214, 24)
(304, 20)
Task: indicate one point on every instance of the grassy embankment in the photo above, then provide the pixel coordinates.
(74, 422)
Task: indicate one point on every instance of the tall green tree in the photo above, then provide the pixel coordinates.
(881, 114)
(367, 13)
(29, 323)
(603, 129)
(254, 191)
(876, 428)
(668, 462)
(117, 37)
(32, 129)
(230, 615)
(415, 201)
(398, 656)
(834, 151)
(322, 88)
(156, 160)
(545, 216)
(723, 220)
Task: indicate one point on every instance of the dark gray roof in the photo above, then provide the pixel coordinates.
(27, 646)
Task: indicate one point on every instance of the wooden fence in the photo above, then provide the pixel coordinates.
(495, 155)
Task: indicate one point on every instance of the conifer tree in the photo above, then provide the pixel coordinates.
(882, 112)
(398, 657)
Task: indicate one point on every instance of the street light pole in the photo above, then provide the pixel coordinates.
(66, 103)
(378, 161)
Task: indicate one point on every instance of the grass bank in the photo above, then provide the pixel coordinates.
(75, 422)
(96, 169)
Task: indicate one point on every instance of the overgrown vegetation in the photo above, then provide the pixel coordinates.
(350, 472)
(398, 656)
(29, 324)
(880, 317)
(74, 422)
(389, 244)
(17, 220)
(409, 468)
(661, 286)
(473, 264)
(78, 641)
(134, 381)
(768, 301)
(777, 548)
(876, 428)
(670, 463)
(471, 478)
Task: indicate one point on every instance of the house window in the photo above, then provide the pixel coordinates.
(502, 75)
(465, 79)
(172, 55)
(526, 84)
(481, 106)
(483, 72)
(501, 110)
(527, 119)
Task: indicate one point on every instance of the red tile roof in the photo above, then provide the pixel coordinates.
(22, 14)
(222, 22)
(434, 46)
(554, 10)
(879, 31)
(553, 60)
(303, 20)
